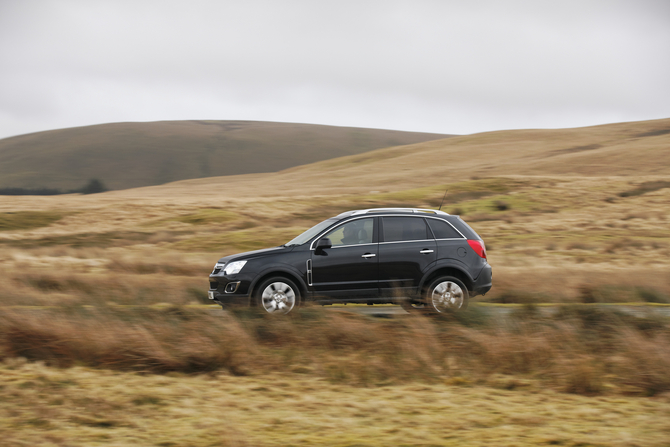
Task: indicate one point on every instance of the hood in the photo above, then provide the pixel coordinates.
(252, 254)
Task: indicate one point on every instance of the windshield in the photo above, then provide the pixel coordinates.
(309, 234)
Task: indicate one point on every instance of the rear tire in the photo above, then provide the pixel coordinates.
(277, 295)
(447, 294)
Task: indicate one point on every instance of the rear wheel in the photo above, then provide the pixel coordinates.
(278, 295)
(447, 294)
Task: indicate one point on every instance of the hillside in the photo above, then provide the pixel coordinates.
(624, 149)
(130, 155)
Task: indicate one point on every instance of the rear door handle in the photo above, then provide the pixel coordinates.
(425, 251)
(368, 255)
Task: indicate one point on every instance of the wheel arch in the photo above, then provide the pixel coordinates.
(448, 270)
(282, 273)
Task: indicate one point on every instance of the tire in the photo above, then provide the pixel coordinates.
(447, 294)
(278, 295)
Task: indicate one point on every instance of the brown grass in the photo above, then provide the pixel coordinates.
(24, 220)
(116, 285)
(82, 407)
(556, 221)
(584, 351)
(137, 339)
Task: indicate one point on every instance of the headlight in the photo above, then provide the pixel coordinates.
(233, 267)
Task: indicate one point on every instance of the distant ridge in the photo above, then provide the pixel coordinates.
(130, 155)
(639, 151)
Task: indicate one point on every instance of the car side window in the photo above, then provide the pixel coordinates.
(352, 233)
(405, 229)
(442, 230)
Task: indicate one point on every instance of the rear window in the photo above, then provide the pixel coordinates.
(442, 230)
(464, 228)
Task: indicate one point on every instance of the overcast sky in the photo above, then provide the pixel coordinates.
(435, 66)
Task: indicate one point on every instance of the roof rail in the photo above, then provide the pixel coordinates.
(405, 210)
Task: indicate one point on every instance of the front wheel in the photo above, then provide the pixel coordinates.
(278, 295)
(447, 294)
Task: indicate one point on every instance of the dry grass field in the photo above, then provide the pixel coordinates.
(105, 339)
(84, 407)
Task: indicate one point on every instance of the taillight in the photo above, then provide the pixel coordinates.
(478, 247)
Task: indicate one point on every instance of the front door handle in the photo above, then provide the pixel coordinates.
(368, 255)
(425, 251)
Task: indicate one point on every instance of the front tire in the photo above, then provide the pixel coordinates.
(447, 294)
(278, 296)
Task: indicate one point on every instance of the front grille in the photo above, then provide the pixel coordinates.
(216, 271)
(213, 285)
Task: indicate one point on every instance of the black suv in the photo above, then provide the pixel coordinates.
(424, 260)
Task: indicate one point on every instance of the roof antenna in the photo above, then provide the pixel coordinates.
(445, 195)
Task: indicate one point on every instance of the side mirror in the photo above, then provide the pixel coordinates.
(323, 243)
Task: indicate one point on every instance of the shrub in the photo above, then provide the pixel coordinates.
(645, 187)
(94, 186)
(501, 206)
(652, 296)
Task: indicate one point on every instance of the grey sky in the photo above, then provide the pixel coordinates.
(437, 66)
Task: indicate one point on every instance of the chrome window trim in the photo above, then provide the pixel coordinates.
(404, 242)
(355, 245)
(422, 240)
(365, 216)
(452, 226)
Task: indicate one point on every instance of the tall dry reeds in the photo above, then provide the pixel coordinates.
(149, 340)
(35, 287)
(580, 351)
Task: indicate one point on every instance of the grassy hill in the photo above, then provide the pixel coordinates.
(129, 155)
(632, 149)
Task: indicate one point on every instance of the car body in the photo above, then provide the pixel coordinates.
(425, 260)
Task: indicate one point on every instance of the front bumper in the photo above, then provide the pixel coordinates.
(228, 299)
(229, 290)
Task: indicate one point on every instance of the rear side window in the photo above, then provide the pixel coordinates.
(464, 228)
(442, 230)
(405, 229)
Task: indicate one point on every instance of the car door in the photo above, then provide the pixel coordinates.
(406, 250)
(349, 267)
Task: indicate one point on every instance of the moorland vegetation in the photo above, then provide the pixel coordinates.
(99, 291)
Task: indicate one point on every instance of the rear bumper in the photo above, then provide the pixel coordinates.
(484, 281)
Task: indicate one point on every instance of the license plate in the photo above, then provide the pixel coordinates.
(210, 294)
